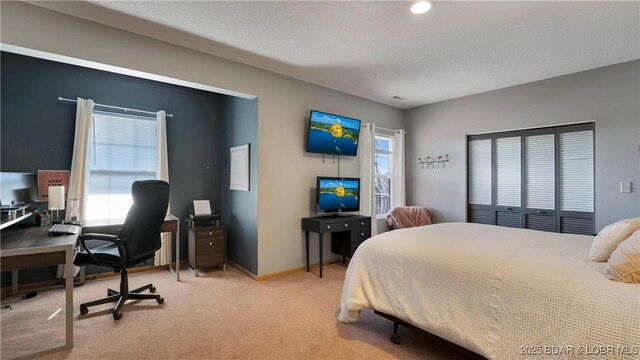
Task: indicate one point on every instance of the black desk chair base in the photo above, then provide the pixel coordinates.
(120, 297)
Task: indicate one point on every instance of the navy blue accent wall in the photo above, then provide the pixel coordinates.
(240, 208)
(37, 130)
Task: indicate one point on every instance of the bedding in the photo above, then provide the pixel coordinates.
(608, 238)
(500, 292)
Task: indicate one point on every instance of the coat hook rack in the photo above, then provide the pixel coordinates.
(435, 162)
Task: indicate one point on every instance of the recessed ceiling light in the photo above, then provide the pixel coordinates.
(421, 7)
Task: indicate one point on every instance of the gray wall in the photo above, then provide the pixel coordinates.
(609, 95)
(38, 130)
(239, 209)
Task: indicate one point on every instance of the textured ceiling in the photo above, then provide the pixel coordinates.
(378, 50)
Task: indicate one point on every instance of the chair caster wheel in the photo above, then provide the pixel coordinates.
(117, 315)
(160, 300)
(84, 310)
(152, 289)
(395, 339)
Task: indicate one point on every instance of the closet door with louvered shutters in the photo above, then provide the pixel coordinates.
(508, 181)
(480, 178)
(576, 185)
(540, 179)
(540, 182)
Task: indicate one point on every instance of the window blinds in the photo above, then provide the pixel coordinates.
(508, 171)
(576, 171)
(480, 172)
(122, 150)
(540, 172)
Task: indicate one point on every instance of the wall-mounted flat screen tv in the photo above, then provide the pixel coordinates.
(337, 194)
(332, 134)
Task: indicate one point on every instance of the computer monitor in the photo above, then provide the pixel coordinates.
(17, 188)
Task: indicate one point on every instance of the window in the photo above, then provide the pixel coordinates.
(383, 172)
(122, 149)
(541, 179)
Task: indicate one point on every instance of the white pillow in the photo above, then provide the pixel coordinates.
(624, 263)
(608, 238)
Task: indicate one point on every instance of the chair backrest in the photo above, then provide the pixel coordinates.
(144, 220)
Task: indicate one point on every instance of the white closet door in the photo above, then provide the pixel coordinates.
(540, 172)
(576, 171)
(480, 172)
(508, 176)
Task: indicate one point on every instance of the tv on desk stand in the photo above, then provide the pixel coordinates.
(337, 195)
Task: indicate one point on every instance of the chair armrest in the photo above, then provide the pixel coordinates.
(103, 237)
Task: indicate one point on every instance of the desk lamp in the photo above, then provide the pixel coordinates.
(56, 199)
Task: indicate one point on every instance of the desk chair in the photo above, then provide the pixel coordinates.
(137, 241)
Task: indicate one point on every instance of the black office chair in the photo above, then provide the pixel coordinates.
(137, 241)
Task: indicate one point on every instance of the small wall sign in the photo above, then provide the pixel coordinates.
(48, 178)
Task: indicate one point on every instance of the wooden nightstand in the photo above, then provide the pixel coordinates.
(206, 247)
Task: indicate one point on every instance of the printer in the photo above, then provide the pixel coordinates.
(202, 213)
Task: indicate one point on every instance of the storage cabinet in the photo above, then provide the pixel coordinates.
(206, 247)
(345, 243)
(347, 233)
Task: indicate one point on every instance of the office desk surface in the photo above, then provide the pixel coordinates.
(23, 247)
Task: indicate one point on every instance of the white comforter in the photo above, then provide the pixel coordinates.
(500, 292)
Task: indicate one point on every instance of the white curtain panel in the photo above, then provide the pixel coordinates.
(367, 188)
(80, 161)
(79, 164)
(398, 194)
(162, 256)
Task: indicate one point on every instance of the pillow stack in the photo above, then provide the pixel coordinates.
(624, 263)
(619, 243)
(608, 238)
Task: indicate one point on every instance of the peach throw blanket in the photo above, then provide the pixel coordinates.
(408, 216)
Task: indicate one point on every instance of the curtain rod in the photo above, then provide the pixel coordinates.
(115, 107)
(392, 130)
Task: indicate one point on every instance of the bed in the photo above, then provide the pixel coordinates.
(499, 292)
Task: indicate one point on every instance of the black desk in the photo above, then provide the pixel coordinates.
(347, 233)
(24, 246)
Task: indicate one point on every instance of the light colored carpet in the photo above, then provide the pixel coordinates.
(218, 315)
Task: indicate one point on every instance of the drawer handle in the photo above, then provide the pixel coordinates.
(346, 225)
(210, 233)
(210, 243)
(328, 226)
(362, 224)
(361, 234)
(508, 208)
